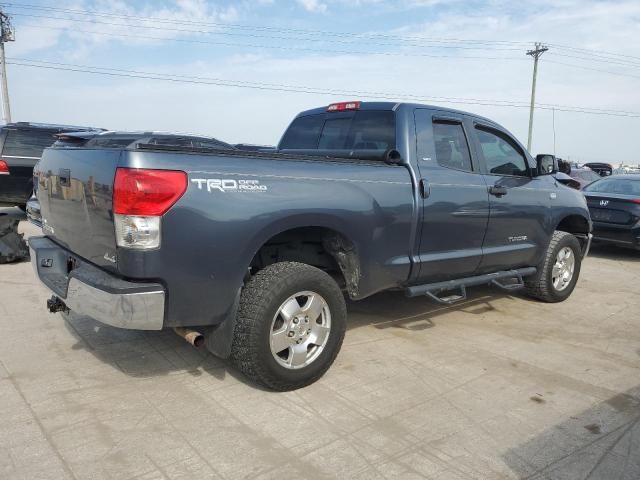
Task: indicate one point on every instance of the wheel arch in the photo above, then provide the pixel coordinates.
(577, 225)
(322, 241)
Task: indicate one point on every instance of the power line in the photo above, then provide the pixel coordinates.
(261, 27)
(597, 55)
(593, 69)
(254, 35)
(597, 52)
(624, 63)
(433, 43)
(277, 47)
(299, 89)
(398, 38)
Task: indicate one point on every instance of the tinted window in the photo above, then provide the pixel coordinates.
(27, 143)
(452, 150)
(364, 130)
(334, 134)
(615, 185)
(372, 131)
(303, 132)
(501, 156)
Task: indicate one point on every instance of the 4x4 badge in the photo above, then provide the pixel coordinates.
(604, 203)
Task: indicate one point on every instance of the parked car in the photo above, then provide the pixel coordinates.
(584, 176)
(627, 169)
(21, 145)
(614, 203)
(250, 252)
(602, 169)
(113, 139)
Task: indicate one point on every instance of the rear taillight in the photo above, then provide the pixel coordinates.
(343, 106)
(140, 198)
(636, 200)
(4, 168)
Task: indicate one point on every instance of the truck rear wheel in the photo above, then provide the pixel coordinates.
(558, 275)
(290, 326)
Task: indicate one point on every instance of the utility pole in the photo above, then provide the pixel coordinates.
(554, 132)
(536, 53)
(6, 35)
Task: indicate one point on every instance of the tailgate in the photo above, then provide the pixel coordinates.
(75, 190)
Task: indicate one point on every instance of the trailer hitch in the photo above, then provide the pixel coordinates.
(55, 305)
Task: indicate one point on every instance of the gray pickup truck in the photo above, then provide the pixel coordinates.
(250, 252)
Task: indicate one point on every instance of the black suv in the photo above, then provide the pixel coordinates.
(21, 146)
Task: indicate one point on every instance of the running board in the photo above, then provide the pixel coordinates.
(432, 290)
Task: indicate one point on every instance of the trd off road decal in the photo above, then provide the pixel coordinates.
(226, 185)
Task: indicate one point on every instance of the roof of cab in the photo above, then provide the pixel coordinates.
(395, 106)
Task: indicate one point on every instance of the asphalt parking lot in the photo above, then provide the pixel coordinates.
(497, 387)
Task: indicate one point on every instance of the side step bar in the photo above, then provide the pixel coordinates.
(432, 290)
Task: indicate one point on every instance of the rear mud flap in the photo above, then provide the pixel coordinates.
(13, 248)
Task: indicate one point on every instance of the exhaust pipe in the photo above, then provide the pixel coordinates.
(194, 338)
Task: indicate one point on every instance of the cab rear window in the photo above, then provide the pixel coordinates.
(27, 143)
(362, 130)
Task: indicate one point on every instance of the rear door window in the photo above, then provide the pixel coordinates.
(27, 143)
(452, 150)
(363, 130)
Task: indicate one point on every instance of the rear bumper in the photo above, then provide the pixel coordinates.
(88, 290)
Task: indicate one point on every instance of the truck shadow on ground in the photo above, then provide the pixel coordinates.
(600, 443)
(612, 252)
(149, 354)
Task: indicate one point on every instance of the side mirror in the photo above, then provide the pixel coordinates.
(547, 164)
(392, 157)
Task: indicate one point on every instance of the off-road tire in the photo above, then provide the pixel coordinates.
(540, 285)
(260, 299)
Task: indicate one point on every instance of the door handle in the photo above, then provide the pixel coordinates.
(497, 191)
(425, 189)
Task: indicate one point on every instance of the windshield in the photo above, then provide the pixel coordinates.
(364, 130)
(622, 186)
(587, 175)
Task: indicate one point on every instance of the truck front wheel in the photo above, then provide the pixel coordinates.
(290, 326)
(558, 275)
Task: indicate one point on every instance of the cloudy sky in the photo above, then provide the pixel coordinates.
(204, 55)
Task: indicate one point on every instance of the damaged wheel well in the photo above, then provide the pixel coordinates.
(320, 247)
(576, 225)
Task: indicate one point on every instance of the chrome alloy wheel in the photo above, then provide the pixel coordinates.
(300, 330)
(563, 269)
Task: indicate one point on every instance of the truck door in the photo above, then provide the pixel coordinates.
(519, 204)
(455, 204)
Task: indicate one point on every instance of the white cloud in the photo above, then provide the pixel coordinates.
(48, 33)
(315, 6)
